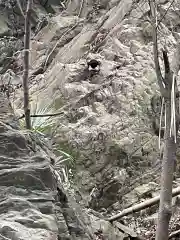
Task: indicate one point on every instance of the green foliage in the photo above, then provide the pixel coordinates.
(66, 158)
(65, 147)
(65, 161)
(42, 124)
(65, 164)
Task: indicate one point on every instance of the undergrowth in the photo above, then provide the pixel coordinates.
(46, 126)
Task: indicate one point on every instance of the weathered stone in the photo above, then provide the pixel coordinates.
(32, 203)
(106, 120)
(25, 181)
(145, 189)
(4, 29)
(108, 231)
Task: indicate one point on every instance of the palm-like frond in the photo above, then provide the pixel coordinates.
(44, 125)
(40, 123)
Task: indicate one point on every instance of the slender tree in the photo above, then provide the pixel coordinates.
(26, 63)
(168, 87)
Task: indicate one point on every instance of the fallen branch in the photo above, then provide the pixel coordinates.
(174, 234)
(141, 206)
(125, 229)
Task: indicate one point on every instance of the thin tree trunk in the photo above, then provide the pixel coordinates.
(26, 64)
(169, 157)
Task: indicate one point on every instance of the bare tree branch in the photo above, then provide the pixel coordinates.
(141, 206)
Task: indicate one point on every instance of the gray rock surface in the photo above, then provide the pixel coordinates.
(107, 117)
(27, 188)
(33, 203)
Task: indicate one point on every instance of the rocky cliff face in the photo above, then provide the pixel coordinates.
(108, 118)
(107, 115)
(33, 203)
(31, 207)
